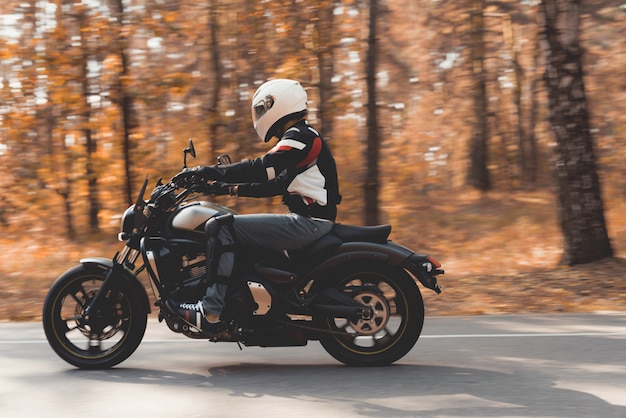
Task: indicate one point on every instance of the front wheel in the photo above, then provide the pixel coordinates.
(108, 337)
(396, 323)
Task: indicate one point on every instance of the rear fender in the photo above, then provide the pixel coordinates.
(388, 253)
(134, 286)
(420, 266)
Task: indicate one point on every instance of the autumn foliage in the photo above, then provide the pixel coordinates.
(96, 95)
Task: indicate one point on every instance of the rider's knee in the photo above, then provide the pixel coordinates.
(213, 225)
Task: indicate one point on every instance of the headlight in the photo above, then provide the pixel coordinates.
(131, 221)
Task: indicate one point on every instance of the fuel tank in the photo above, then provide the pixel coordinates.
(188, 220)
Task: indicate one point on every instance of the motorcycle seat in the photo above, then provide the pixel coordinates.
(309, 256)
(352, 233)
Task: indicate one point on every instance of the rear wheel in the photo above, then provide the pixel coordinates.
(108, 337)
(396, 323)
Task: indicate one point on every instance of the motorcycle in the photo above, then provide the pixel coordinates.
(353, 290)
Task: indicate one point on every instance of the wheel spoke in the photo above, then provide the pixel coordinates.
(383, 341)
(70, 329)
(63, 326)
(94, 346)
(78, 301)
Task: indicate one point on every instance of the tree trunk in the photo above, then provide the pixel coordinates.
(213, 111)
(371, 187)
(533, 114)
(580, 206)
(60, 169)
(90, 140)
(478, 175)
(325, 61)
(524, 153)
(125, 102)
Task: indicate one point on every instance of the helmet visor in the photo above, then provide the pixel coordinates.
(261, 107)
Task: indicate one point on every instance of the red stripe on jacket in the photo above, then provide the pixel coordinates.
(313, 154)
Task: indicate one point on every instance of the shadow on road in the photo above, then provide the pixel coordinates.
(398, 390)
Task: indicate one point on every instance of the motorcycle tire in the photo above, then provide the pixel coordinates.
(395, 325)
(105, 340)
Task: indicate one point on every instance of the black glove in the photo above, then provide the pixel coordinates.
(197, 174)
(183, 177)
(218, 188)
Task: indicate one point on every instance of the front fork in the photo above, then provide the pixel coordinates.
(116, 268)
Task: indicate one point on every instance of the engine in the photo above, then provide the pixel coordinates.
(193, 270)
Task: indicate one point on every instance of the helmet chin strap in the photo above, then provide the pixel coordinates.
(280, 132)
(282, 125)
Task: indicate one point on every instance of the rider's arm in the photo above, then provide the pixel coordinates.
(287, 153)
(243, 171)
(274, 187)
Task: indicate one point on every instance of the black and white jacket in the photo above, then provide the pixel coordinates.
(300, 167)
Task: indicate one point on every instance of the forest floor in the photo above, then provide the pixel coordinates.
(500, 253)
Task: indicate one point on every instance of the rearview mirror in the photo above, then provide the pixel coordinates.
(189, 150)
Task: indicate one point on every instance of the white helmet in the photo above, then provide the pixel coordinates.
(272, 102)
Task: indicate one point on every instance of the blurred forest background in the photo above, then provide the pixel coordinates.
(97, 94)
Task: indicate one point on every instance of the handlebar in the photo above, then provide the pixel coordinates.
(191, 186)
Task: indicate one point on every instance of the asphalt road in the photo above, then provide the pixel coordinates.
(484, 366)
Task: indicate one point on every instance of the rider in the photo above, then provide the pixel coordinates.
(300, 167)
